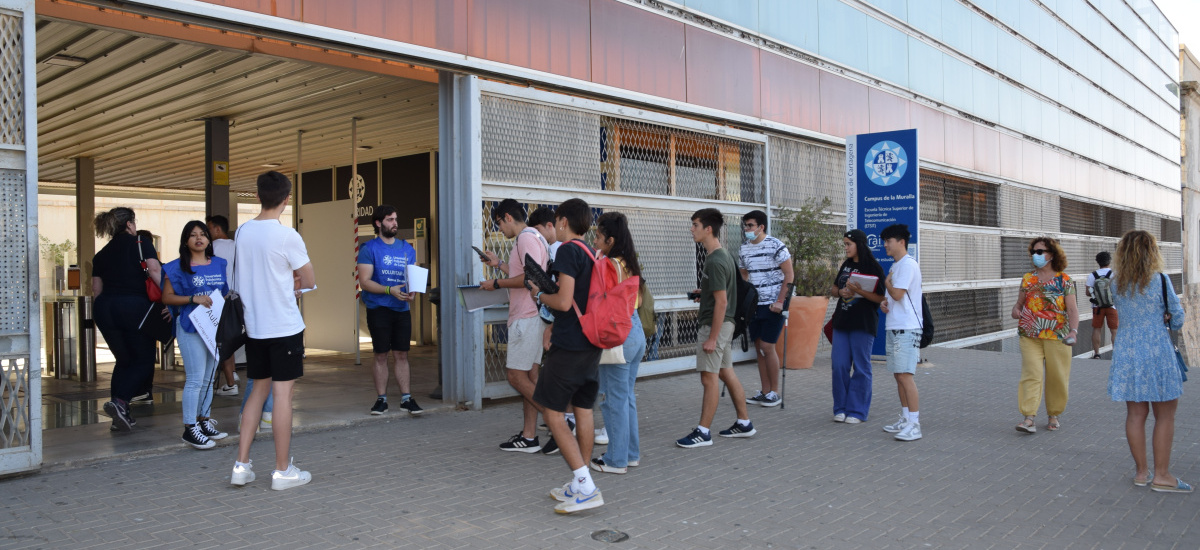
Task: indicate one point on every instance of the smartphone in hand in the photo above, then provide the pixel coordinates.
(482, 257)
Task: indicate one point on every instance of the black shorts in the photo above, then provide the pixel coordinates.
(390, 330)
(280, 359)
(568, 378)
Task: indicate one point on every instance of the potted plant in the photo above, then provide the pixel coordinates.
(816, 247)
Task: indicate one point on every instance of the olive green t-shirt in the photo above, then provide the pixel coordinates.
(720, 273)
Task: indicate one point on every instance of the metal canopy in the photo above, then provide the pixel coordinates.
(137, 105)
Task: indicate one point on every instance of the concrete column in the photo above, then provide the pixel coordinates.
(85, 213)
(216, 167)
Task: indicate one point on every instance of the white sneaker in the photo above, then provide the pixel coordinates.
(911, 432)
(227, 390)
(265, 424)
(242, 474)
(580, 501)
(602, 436)
(291, 477)
(839, 417)
(853, 420)
(895, 428)
(235, 377)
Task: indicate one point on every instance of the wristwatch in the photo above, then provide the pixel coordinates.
(496, 284)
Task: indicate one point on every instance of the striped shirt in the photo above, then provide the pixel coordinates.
(762, 262)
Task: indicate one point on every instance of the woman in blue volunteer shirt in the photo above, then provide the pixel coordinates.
(189, 284)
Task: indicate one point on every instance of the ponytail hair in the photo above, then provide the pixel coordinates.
(110, 224)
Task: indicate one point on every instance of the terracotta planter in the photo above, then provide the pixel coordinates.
(806, 317)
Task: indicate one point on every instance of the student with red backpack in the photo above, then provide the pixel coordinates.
(590, 310)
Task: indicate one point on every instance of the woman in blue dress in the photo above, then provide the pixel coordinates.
(189, 284)
(1144, 373)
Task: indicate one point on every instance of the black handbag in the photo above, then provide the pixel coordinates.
(231, 329)
(154, 325)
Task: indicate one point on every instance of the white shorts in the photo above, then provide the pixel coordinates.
(525, 343)
(903, 350)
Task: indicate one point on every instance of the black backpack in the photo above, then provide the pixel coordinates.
(926, 321)
(744, 311)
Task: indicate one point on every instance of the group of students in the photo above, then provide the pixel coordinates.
(269, 266)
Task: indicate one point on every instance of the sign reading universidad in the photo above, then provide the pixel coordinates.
(883, 187)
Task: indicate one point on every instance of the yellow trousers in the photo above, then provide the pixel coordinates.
(1044, 363)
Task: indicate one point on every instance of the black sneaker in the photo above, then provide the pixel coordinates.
(194, 436)
(380, 407)
(209, 427)
(550, 448)
(411, 406)
(756, 400)
(120, 415)
(519, 444)
(738, 430)
(770, 400)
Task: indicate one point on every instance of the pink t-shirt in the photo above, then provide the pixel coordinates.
(520, 303)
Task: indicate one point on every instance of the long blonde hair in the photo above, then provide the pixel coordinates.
(1138, 259)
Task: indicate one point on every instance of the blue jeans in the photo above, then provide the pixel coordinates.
(620, 403)
(852, 390)
(199, 367)
(268, 405)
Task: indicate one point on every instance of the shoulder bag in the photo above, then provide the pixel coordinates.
(614, 355)
(231, 329)
(153, 291)
(1179, 362)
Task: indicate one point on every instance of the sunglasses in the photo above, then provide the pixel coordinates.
(1038, 251)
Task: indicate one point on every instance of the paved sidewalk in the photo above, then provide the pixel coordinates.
(440, 482)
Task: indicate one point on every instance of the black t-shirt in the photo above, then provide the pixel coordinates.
(119, 267)
(572, 261)
(857, 313)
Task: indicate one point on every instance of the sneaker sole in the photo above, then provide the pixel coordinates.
(608, 469)
(771, 404)
(579, 507)
(601, 442)
(694, 445)
(235, 483)
(554, 452)
(288, 484)
(210, 444)
(377, 413)
(891, 431)
(119, 420)
(527, 450)
(908, 438)
(743, 434)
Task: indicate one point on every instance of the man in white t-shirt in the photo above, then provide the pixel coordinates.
(903, 328)
(525, 326)
(1102, 313)
(270, 256)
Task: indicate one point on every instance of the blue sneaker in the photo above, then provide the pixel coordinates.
(738, 430)
(580, 501)
(695, 439)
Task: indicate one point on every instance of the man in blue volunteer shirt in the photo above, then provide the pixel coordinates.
(383, 275)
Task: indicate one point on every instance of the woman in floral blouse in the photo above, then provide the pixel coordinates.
(1047, 321)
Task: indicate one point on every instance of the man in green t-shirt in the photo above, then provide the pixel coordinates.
(714, 355)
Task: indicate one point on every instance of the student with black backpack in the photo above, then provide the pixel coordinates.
(1099, 290)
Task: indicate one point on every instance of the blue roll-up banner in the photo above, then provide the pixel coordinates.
(882, 189)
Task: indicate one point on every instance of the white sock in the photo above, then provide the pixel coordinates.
(914, 417)
(744, 423)
(904, 412)
(242, 464)
(702, 429)
(772, 395)
(582, 481)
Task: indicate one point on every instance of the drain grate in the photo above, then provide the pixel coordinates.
(609, 535)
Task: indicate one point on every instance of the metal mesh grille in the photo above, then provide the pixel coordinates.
(1171, 230)
(947, 256)
(531, 143)
(14, 402)
(14, 262)
(12, 82)
(495, 351)
(1172, 257)
(1028, 210)
(800, 171)
(948, 199)
(962, 313)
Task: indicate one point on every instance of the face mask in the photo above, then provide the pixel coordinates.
(750, 235)
(1039, 260)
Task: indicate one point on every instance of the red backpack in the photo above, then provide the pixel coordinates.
(610, 304)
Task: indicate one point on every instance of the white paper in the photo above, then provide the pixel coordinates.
(418, 278)
(206, 320)
(867, 282)
(474, 298)
(306, 290)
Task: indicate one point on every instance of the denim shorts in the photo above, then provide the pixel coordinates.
(903, 350)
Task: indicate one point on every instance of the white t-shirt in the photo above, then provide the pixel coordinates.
(906, 313)
(554, 249)
(1091, 280)
(267, 254)
(223, 248)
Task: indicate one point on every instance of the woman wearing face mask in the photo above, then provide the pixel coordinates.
(855, 323)
(1047, 321)
(191, 280)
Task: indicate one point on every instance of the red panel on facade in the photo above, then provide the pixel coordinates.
(546, 35)
(960, 142)
(987, 150)
(888, 112)
(791, 92)
(440, 24)
(1031, 158)
(279, 8)
(931, 131)
(845, 110)
(722, 73)
(637, 50)
(1010, 149)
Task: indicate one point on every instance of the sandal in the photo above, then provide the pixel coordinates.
(1143, 482)
(1096, 356)
(1028, 426)
(1179, 487)
(1052, 423)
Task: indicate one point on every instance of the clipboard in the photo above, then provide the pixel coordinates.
(474, 298)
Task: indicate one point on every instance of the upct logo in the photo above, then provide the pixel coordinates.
(886, 163)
